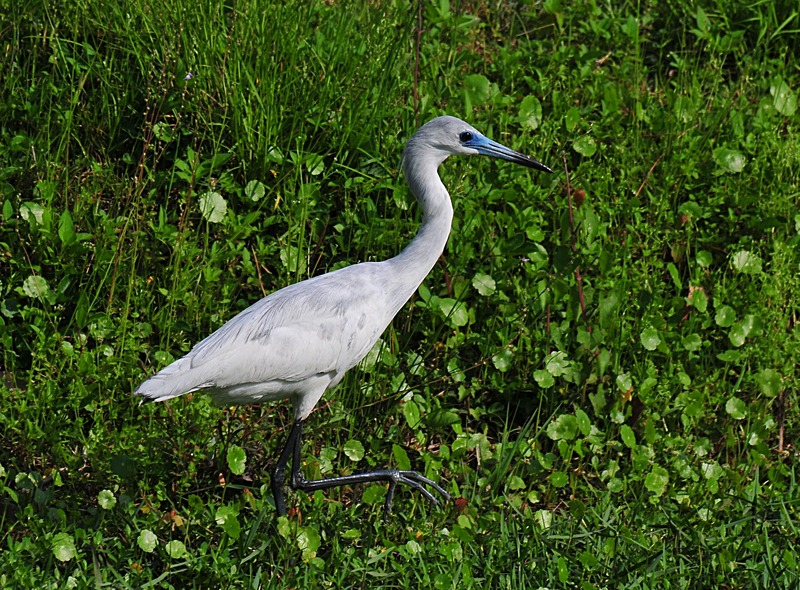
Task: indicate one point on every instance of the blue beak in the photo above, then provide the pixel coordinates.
(486, 147)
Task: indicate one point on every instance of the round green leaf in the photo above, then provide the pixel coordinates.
(650, 338)
(163, 357)
(585, 146)
(692, 342)
(699, 300)
(413, 547)
(478, 89)
(704, 258)
(769, 382)
(530, 113)
(354, 450)
(515, 482)
(752, 324)
(484, 284)
(175, 549)
(63, 546)
(455, 312)
(746, 262)
(147, 541)
(564, 427)
(543, 378)
(691, 209)
(737, 334)
(572, 118)
(725, 316)
(36, 287)
(559, 479)
(255, 190)
(502, 360)
(729, 160)
(106, 499)
(736, 408)
(557, 363)
(213, 206)
(657, 480)
(712, 470)
(227, 518)
(237, 459)
(293, 258)
(32, 212)
(624, 382)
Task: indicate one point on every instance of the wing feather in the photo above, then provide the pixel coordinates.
(324, 325)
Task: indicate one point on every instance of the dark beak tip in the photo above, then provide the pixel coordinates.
(535, 164)
(541, 167)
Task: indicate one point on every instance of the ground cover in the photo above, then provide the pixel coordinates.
(602, 370)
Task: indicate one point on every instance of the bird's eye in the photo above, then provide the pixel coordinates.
(465, 136)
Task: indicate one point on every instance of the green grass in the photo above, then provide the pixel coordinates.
(602, 369)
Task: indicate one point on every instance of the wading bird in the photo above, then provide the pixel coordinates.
(298, 342)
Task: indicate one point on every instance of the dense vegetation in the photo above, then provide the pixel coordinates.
(602, 369)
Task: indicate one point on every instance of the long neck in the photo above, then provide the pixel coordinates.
(413, 264)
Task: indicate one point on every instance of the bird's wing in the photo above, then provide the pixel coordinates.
(323, 325)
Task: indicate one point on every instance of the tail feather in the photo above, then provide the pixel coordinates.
(172, 381)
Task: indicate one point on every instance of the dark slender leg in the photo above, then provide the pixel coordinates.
(279, 472)
(298, 482)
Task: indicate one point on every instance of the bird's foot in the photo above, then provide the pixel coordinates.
(414, 480)
(393, 477)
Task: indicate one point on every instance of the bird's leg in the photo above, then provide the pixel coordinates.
(299, 482)
(279, 472)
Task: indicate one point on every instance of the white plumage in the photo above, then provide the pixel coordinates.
(299, 341)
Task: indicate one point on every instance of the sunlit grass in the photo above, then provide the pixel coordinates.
(605, 379)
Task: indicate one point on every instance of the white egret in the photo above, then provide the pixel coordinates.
(298, 342)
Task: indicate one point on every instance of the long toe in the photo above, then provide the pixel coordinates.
(414, 480)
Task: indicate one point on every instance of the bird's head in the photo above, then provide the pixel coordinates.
(446, 136)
